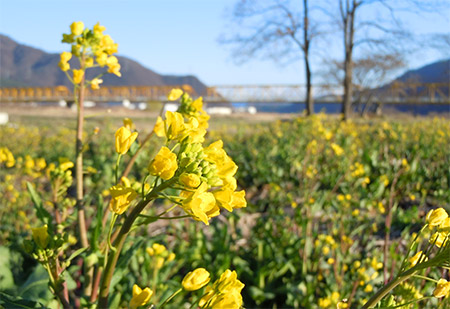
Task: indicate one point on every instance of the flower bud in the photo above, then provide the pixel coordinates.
(77, 27)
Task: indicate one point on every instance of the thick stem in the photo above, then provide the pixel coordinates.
(388, 287)
(89, 272)
(79, 168)
(120, 240)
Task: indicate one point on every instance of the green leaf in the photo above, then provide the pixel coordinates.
(8, 301)
(6, 275)
(76, 253)
(124, 260)
(42, 214)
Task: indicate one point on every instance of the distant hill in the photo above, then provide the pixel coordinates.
(436, 72)
(24, 66)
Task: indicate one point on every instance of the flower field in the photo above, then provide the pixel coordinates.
(310, 212)
(323, 198)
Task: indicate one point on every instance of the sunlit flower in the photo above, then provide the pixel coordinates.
(124, 139)
(77, 27)
(175, 94)
(121, 198)
(141, 297)
(196, 279)
(442, 288)
(164, 164)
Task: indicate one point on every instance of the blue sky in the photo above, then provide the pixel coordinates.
(171, 36)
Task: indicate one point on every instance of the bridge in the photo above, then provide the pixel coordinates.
(401, 93)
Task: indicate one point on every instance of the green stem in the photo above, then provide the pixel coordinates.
(425, 278)
(111, 226)
(120, 240)
(116, 175)
(388, 287)
(171, 297)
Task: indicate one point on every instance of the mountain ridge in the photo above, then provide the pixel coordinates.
(26, 66)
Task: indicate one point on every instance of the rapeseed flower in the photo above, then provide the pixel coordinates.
(164, 164)
(77, 27)
(436, 216)
(121, 198)
(175, 94)
(124, 139)
(225, 292)
(78, 76)
(201, 205)
(442, 288)
(196, 279)
(141, 297)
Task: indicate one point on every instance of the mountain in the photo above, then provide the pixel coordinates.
(24, 66)
(436, 72)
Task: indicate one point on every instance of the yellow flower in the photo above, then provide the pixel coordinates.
(415, 259)
(156, 249)
(78, 76)
(141, 297)
(101, 59)
(225, 292)
(98, 29)
(197, 104)
(115, 69)
(444, 227)
(196, 279)
(230, 199)
(124, 139)
(40, 236)
(201, 205)
(368, 288)
(159, 127)
(175, 125)
(65, 56)
(171, 257)
(95, 83)
(121, 198)
(439, 239)
(331, 261)
(190, 180)
(436, 216)
(89, 62)
(175, 94)
(215, 153)
(164, 164)
(337, 149)
(442, 288)
(77, 27)
(65, 164)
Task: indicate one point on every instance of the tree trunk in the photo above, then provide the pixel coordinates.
(349, 34)
(306, 39)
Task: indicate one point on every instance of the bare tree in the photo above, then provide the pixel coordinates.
(274, 29)
(370, 72)
(379, 28)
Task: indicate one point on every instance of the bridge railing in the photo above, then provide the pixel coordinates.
(395, 93)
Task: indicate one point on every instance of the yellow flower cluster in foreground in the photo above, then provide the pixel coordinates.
(206, 174)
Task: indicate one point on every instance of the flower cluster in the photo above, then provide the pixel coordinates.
(6, 157)
(205, 173)
(224, 293)
(93, 49)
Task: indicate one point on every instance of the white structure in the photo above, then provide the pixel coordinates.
(4, 118)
